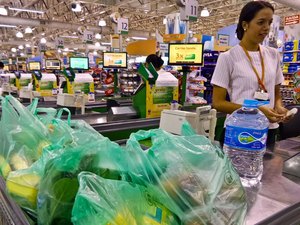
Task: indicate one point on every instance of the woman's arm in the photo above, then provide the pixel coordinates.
(219, 101)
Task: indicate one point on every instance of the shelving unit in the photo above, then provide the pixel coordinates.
(129, 80)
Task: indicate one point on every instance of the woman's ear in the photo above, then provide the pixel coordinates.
(245, 25)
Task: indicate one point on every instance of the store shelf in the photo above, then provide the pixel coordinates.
(297, 62)
(291, 51)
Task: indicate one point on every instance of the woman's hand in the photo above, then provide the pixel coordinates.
(282, 110)
(272, 115)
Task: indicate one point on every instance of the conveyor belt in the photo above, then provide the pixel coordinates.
(10, 212)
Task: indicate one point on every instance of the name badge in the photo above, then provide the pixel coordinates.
(261, 96)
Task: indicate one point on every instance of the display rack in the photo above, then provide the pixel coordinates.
(129, 80)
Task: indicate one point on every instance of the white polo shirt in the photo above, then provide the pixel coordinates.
(234, 73)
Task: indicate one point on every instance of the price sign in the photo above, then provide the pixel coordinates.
(88, 37)
(190, 10)
(59, 42)
(123, 26)
(28, 51)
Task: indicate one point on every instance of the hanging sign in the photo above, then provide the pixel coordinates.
(88, 37)
(173, 37)
(59, 43)
(190, 10)
(43, 47)
(28, 50)
(290, 20)
(123, 26)
(223, 39)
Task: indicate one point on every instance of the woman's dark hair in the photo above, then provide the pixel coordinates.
(248, 13)
(156, 61)
(1, 65)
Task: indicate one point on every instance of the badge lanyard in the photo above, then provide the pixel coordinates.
(260, 81)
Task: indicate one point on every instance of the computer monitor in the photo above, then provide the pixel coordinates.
(115, 60)
(52, 64)
(190, 54)
(34, 66)
(79, 63)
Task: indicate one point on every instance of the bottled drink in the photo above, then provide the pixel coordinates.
(245, 141)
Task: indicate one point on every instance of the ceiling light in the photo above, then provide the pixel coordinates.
(3, 11)
(14, 50)
(128, 39)
(97, 44)
(28, 30)
(19, 34)
(59, 51)
(27, 46)
(165, 21)
(75, 49)
(26, 10)
(43, 34)
(102, 23)
(21, 54)
(8, 26)
(204, 12)
(105, 43)
(82, 19)
(66, 49)
(66, 36)
(43, 40)
(139, 38)
(76, 7)
(98, 36)
(95, 53)
(102, 12)
(21, 47)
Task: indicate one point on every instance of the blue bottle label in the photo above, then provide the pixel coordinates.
(245, 138)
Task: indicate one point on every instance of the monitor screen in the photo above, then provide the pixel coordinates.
(115, 60)
(79, 63)
(34, 66)
(52, 64)
(6, 68)
(186, 54)
(12, 67)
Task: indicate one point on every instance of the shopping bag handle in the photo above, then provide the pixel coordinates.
(60, 112)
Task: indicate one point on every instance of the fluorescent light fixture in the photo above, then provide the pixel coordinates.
(204, 12)
(21, 47)
(75, 49)
(43, 34)
(82, 19)
(28, 30)
(43, 40)
(27, 46)
(3, 11)
(102, 12)
(21, 54)
(97, 44)
(26, 10)
(102, 23)
(59, 51)
(128, 39)
(139, 38)
(67, 36)
(19, 34)
(105, 43)
(66, 49)
(98, 36)
(77, 8)
(8, 26)
(14, 50)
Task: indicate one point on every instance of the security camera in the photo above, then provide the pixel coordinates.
(76, 7)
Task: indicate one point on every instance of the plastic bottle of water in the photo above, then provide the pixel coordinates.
(245, 141)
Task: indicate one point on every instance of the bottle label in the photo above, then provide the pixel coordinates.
(246, 138)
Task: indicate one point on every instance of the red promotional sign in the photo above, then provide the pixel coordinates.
(290, 20)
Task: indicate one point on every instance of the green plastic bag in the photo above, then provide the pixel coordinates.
(59, 183)
(101, 201)
(189, 176)
(23, 137)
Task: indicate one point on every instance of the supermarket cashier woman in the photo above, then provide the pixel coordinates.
(250, 70)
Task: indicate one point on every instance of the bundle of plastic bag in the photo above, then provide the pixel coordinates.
(59, 184)
(23, 185)
(189, 176)
(23, 137)
(113, 202)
